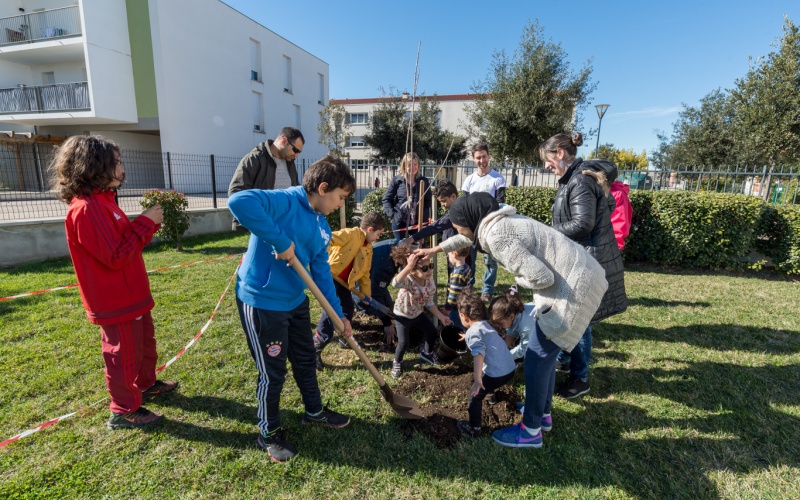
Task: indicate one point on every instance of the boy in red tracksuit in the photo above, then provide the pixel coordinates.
(106, 251)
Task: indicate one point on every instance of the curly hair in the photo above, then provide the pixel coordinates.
(507, 305)
(83, 163)
(399, 254)
(471, 306)
(373, 220)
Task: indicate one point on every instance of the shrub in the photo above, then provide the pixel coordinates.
(533, 202)
(373, 203)
(176, 220)
(778, 236)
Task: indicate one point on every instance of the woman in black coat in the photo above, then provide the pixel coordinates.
(582, 211)
(401, 208)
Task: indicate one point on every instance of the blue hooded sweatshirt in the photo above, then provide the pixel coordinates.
(276, 218)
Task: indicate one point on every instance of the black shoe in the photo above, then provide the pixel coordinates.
(140, 418)
(318, 359)
(562, 367)
(344, 345)
(429, 357)
(327, 417)
(276, 446)
(468, 430)
(492, 399)
(573, 388)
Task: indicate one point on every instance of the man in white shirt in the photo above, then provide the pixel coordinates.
(488, 180)
(270, 165)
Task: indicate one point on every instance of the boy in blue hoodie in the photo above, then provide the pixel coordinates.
(288, 225)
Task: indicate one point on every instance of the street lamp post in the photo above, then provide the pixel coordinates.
(601, 110)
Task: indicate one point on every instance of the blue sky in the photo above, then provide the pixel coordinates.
(648, 57)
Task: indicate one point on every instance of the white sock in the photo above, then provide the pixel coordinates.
(532, 432)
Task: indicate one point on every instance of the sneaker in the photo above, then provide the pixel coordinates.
(429, 357)
(140, 418)
(517, 436)
(492, 399)
(276, 446)
(547, 423)
(397, 370)
(547, 420)
(160, 387)
(562, 367)
(344, 345)
(468, 430)
(327, 417)
(573, 388)
(486, 298)
(318, 360)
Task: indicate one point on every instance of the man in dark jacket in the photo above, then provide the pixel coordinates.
(582, 211)
(270, 165)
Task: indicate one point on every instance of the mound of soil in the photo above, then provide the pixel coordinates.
(442, 391)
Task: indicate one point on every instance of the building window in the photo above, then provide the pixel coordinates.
(297, 117)
(287, 74)
(258, 112)
(321, 99)
(255, 60)
(356, 142)
(357, 118)
(359, 164)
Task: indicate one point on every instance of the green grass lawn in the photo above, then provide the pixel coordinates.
(695, 394)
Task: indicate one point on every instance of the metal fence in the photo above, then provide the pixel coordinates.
(43, 25)
(26, 186)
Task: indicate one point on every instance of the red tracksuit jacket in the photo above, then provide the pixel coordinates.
(106, 250)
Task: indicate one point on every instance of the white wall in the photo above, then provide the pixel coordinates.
(129, 140)
(202, 52)
(108, 56)
(12, 74)
(63, 73)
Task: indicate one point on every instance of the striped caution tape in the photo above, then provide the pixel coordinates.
(75, 285)
(158, 370)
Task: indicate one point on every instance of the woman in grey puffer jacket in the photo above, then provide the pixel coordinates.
(582, 211)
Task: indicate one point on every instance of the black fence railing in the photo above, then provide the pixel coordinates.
(26, 186)
(45, 98)
(38, 26)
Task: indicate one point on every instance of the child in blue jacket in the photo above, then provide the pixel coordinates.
(288, 225)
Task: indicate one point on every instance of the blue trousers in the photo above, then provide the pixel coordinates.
(489, 275)
(579, 357)
(540, 378)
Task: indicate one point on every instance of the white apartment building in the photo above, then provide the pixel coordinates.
(453, 118)
(180, 76)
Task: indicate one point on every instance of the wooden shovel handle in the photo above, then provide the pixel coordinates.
(337, 322)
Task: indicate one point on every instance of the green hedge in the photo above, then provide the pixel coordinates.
(685, 229)
(349, 210)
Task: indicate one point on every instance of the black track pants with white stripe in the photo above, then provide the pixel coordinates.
(274, 336)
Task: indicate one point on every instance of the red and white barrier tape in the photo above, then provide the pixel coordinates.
(158, 370)
(75, 285)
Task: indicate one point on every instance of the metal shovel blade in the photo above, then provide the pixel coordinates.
(402, 405)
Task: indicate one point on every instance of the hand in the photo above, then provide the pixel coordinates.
(476, 387)
(407, 241)
(423, 252)
(348, 330)
(412, 260)
(389, 334)
(445, 320)
(287, 255)
(462, 336)
(155, 214)
(367, 301)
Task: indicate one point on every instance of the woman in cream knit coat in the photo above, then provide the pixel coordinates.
(568, 285)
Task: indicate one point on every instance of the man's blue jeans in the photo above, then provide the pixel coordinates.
(489, 276)
(579, 358)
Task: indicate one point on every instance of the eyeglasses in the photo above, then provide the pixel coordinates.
(425, 268)
(296, 151)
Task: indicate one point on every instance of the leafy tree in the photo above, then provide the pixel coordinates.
(625, 159)
(529, 97)
(389, 135)
(767, 101)
(333, 128)
(176, 220)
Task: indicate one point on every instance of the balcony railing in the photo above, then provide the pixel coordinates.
(37, 26)
(45, 98)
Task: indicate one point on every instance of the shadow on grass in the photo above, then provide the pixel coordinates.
(652, 302)
(693, 429)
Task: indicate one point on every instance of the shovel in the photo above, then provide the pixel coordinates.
(402, 405)
(373, 304)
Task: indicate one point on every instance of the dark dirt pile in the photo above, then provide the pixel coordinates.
(442, 391)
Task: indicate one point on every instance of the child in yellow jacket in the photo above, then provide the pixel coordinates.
(350, 258)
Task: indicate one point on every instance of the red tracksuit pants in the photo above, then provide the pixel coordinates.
(129, 352)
